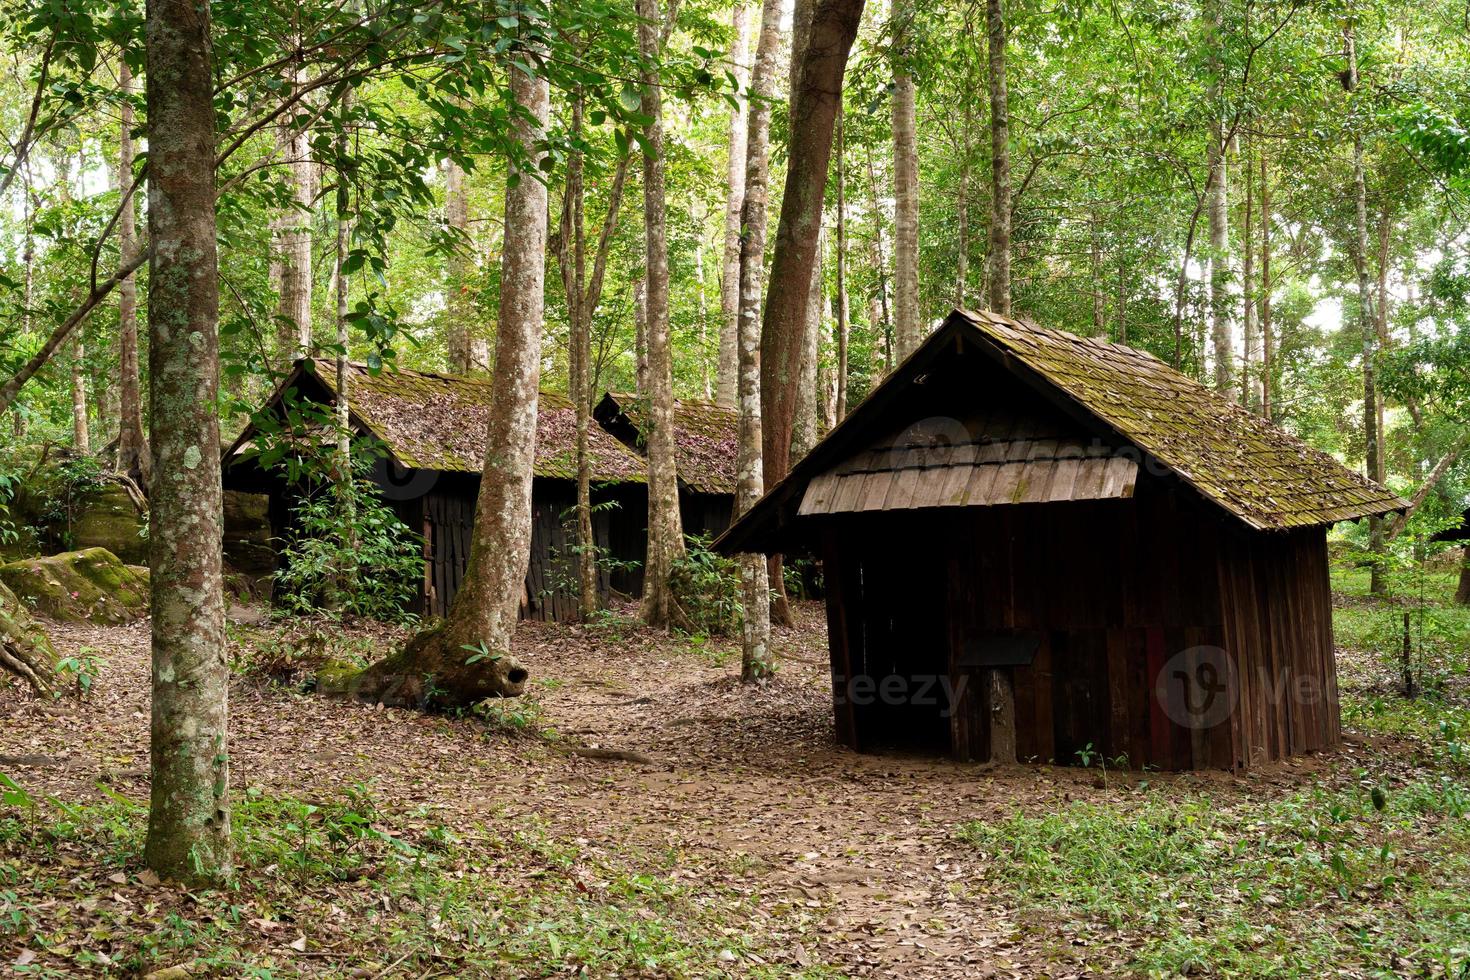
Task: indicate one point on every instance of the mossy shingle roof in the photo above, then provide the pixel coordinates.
(706, 440)
(1243, 463)
(439, 421)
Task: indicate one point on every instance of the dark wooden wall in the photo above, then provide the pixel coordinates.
(550, 594)
(1108, 591)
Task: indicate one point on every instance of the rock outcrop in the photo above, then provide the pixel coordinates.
(91, 585)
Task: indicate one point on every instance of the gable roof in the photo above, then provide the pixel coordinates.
(1236, 460)
(706, 438)
(434, 421)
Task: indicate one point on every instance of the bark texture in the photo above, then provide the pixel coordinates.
(726, 381)
(468, 349)
(80, 433)
(1219, 219)
(998, 260)
(1366, 325)
(468, 656)
(755, 658)
(834, 25)
(132, 445)
(294, 234)
(906, 329)
(665, 531)
(844, 313)
(189, 814)
(807, 427)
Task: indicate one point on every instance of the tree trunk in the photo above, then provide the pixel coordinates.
(80, 437)
(665, 532)
(999, 249)
(132, 447)
(582, 299)
(844, 325)
(805, 429)
(1219, 216)
(468, 656)
(573, 251)
(1268, 352)
(347, 577)
(755, 659)
(468, 349)
(189, 812)
(879, 321)
(824, 62)
(727, 381)
(1462, 594)
(906, 328)
(1247, 289)
(1095, 268)
(640, 336)
(293, 312)
(1366, 325)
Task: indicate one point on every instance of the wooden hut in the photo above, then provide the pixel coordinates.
(431, 430)
(1037, 538)
(706, 444)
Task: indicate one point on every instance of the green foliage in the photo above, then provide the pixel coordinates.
(367, 564)
(362, 882)
(85, 667)
(1197, 887)
(707, 587)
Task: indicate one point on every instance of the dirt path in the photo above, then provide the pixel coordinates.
(735, 779)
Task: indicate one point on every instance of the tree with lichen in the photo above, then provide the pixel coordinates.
(467, 658)
(189, 807)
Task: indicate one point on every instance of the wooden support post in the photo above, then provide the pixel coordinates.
(1001, 695)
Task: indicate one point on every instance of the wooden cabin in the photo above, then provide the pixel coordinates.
(1034, 538)
(706, 451)
(431, 430)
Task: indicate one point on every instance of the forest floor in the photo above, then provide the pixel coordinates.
(732, 837)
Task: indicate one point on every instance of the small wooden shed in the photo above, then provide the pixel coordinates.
(1034, 536)
(431, 428)
(706, 448)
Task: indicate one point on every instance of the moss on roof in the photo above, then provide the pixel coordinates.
(438, 422)
(1237, 459)
(706, 440)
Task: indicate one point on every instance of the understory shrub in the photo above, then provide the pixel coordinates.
(707, 587)
(350, 555)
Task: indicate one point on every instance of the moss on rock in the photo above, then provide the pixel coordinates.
(91, 585)
(107, 517)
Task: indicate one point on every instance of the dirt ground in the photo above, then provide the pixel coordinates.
(733, 776)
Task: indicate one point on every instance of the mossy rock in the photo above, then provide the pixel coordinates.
(107, 517)
(25, 649)
(91, 585)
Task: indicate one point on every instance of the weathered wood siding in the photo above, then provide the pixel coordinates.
(550, 592)
(1109, 591)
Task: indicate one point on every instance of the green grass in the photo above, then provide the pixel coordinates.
(1302, 886)
(366, 888)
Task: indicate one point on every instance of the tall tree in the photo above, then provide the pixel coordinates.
(1219, 207)
(844, 325)
(189, 814)
(132, 446)
(467, 347)
(665, 531)
(293, 311)
(755, 659)
(813, 118)
(582, 298)
(80, 431)
(998, 250)
(726, 380)
(1268, 349)
(468, 656)
(1366, 326)
(906, 329)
